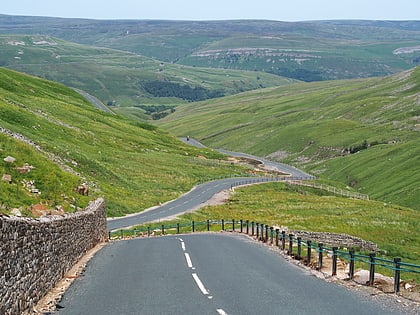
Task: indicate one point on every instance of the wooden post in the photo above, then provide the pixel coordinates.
(372, 269)
(397, 274)
(309, 253)
(299, 251)
(271, 235)
(320, 250)
(351, 267)
(334, 262)
(283, 240)
(290, 251)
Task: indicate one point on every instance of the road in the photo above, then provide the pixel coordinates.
(203, 193)
(204, 274)
(188, 202)
(213, 273)
(281, 167)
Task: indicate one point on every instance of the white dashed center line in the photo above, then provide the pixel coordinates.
(200, 284)
(188, 258)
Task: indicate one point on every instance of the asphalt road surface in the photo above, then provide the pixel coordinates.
(202, 193)
(204, 274)
(187, 202)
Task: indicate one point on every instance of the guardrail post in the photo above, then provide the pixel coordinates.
(372, 268)
(247, 227)
(193, 226)
(271, 235)
(258, 229)
(208, 225)
(351, 267)
(177, 228)
(148, 231)
(299, 251)
(290, 251)
(334, 262)
(252, 228)
(397, 274)
(241, 228)
(277, 237)
(320, 250)
(283, 240)
(309, 253)
(233, 225)
(223, 224)
(121, 234)
(163, 229)
(266, 233)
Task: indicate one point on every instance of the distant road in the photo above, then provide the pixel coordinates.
(189, 201)
(94, 101)
(281, 167)
(204, 274)
(202, 193)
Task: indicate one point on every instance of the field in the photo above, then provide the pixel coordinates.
(393, 228)
(361, 133)
(133, 165)
(308, 51)
(118, 78)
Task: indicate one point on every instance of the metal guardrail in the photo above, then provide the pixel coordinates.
(267, 234)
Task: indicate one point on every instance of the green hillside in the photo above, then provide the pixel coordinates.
(363, 133)
(308, 51)
(134, 165)
(122, 79)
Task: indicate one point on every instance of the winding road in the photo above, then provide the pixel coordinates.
(204, 273)
(216, 273)
(202, 193)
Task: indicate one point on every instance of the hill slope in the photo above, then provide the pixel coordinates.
(124, 79)
(133, 165)
(363, 133)
(309, 51)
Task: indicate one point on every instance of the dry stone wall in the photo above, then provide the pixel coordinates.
(36, 253)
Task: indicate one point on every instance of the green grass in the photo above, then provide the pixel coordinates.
(393, 228)
(133, 165)
(56, 186)
(117, 76)
(313, 123)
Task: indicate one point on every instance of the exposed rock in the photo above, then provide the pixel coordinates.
(26, 168)
(9, 159)
(7, 178)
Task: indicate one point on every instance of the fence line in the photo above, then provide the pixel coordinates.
(273, 236)
(334, 190)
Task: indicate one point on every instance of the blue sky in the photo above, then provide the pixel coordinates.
(281, 10)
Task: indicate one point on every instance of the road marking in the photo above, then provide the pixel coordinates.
(221, 312)
(189, 262)
(183, 246)
(200, 284)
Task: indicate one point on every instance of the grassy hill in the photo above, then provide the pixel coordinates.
(362, 133)
(134, 165)
(124, 80)
(308, 51)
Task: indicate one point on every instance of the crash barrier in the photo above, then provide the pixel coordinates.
(37, 253)
(310, 252)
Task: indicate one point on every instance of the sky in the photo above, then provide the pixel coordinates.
(280, 10)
